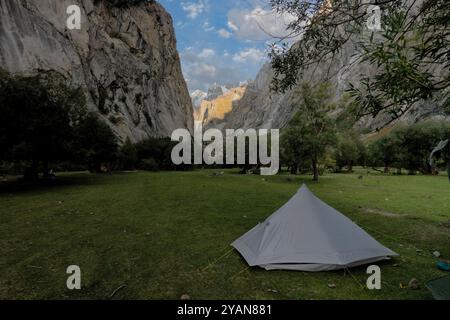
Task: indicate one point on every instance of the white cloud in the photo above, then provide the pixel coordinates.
(193, 9)
(207, 27)
(258, 24)
(204, 70)
(232, 26)
(204, 67)
(206, 53)
(251, 55)
(223, 33)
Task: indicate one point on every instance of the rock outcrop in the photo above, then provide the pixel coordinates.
(197, 97)
(219, 102)
(124, 58)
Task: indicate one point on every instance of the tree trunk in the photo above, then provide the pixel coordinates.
(95, 167)
(46, 170)
(294, 169)
(350, 167)
(31, 173)
(315, 169)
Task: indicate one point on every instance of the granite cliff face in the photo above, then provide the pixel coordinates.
(124, 58)
(217, 104)
(260, 107)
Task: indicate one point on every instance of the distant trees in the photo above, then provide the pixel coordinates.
(95, 144)
(36, 122)
(311, 131)
(155, 153)
(43, 121)
(385, 152)
(128, 156)
(350, 151)
(151, 154)
(405, 147)
(45, 125)
(409, 147)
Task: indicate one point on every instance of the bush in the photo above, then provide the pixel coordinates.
(158, 149)
(409, 147)
(149, 165)
(128, 158)
(95, 143)
(37, 120)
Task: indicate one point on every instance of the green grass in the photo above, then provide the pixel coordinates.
(161, 235)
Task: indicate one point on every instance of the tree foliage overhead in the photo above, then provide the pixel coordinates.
(411, 54)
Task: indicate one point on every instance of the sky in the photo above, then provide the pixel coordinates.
(223, 41)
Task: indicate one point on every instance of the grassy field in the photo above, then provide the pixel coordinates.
(160, 235)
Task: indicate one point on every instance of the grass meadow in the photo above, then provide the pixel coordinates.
(142, 235)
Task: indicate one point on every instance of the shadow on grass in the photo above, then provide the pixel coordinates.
(18, 185)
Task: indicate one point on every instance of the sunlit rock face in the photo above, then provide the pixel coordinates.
(219, 102)
(124, 58)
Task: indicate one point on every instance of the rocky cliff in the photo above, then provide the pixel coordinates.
(217, 104)
(260, 107)
(124, 57)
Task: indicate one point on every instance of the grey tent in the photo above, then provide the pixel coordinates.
(307, 234)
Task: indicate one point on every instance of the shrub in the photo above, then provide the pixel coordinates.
(128, 158)
(149, 165)
(409, 147)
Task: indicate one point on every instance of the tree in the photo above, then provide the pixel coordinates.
(292, 148)
(311, 131)
(409, 147)
(385, 152)
(417, 141)
(411, 55)
(37, 114)
(348, 151)
(95, 143)
(128, 156)
(157, 152)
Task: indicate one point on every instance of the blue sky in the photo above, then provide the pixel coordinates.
(223, 41)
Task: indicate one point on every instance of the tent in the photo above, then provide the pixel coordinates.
(440, 288)
(306, 234)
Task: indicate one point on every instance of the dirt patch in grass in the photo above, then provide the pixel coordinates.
(383, 213)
